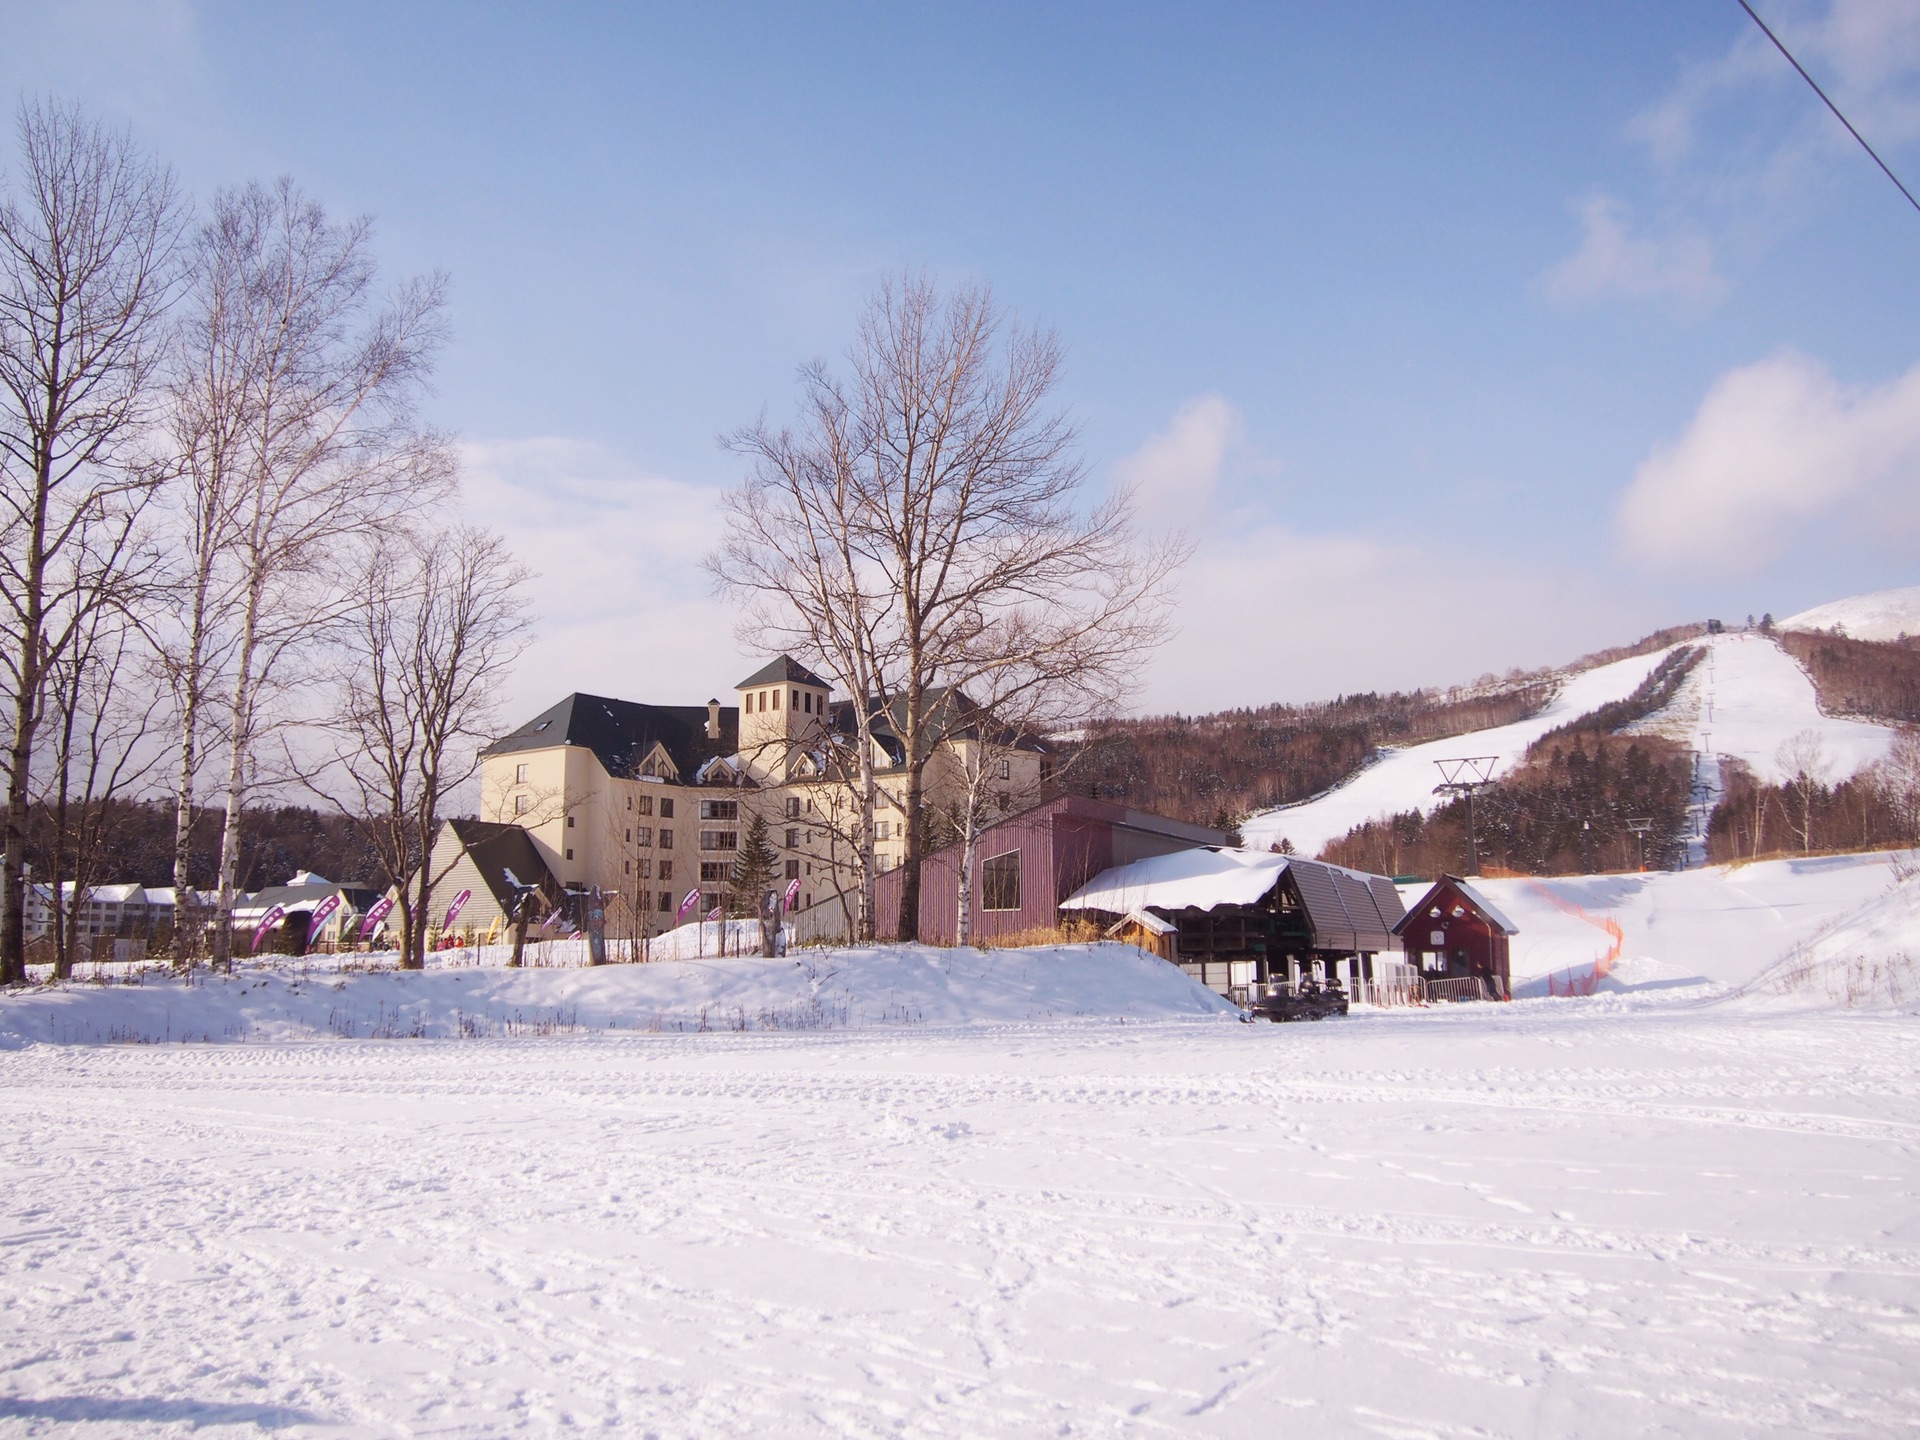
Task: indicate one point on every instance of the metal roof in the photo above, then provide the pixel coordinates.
(622, 733)
(783, 670)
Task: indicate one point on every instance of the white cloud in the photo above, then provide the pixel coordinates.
(623, 605)
(1177, 472)
(1774, 448)
(1612, 260)
(1270, 614)
(1864, 53)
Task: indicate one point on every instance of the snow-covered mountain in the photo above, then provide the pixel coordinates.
(1745, 699)
(1880, 615)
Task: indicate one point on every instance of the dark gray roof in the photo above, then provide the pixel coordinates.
(623, 732)
(496, 849)
(952, 714)
(293, 896)
(1347, 909)
(782, 670)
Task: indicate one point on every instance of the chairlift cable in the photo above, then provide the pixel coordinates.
(1830, 105)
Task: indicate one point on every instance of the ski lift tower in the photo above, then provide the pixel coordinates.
(1640, 826)
(1466, 776)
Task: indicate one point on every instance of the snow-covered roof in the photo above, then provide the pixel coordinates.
(1187, 879)
(1146, 920)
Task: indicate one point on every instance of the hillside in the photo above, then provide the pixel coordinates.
(1878, 615)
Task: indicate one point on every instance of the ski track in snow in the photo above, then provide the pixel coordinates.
(1596, 1218)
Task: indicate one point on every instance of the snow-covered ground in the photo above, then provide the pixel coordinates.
(1745, 699)
(1879, 615)
(1700, 930)
(810, 990)
(1555, 1218)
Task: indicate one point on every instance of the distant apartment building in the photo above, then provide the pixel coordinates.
(649, 802)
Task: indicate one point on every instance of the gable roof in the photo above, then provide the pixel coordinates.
(1346, 909)
(780, 670)
(622, 733)
(495, 849)
(1488, 910)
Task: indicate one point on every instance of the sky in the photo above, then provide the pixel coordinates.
(1456, 338)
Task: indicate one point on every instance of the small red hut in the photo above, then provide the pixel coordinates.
(1454, 933)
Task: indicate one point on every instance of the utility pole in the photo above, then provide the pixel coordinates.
(1465, 776)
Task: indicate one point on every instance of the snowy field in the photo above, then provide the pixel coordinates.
(1555, 1218)
(1744, 700)
(960, 1193)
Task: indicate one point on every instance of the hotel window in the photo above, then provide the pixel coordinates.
(719, 839)
(666, 902)
(793, 807)
(666, 869)
(627, 867)
(666, 839)
(712, 870)
(666, 809)
(522, 803)
(793, 839)
(776, 700)
(569, 822)
(629, 835)
(880, 828)
(1006, 769)
(646, 869)
(645, 807)
(793, 869)
(1000, 881)
(569, 854)
(520, 773)
(644, 835)
(719, 809)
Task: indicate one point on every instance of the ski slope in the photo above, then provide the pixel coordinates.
(1879, 615)
(1707, 931)
(1746, 699)
(1403, 779)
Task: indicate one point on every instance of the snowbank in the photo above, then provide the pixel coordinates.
(1868, 959)
(812, 990)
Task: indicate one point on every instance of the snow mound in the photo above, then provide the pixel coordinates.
(1868, 959)
(903, 985)
(1878, 615)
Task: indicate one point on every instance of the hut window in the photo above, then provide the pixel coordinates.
(1000, 881)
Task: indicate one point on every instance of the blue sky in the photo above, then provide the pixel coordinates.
(1459, 337)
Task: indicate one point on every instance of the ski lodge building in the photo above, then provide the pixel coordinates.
(649, 802)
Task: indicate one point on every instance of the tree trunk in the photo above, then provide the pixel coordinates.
(963, 916)
(26, 717)
(236, 784)
(186, 930)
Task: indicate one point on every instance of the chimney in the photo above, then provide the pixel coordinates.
(713, 719)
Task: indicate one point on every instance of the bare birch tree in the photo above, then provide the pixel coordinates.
(442, 620)
(792, 556)
(87, 245)
(319, 377)
(959, 534)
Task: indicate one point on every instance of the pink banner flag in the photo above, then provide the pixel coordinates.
(714, 914)
(322, 913)
(686, 906)
(379, 912)
(459, 901)
(793, 894)
(267, 921)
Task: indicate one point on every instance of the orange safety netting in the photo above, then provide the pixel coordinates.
(1602, 967)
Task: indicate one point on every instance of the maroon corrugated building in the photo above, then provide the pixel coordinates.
(1028, 863)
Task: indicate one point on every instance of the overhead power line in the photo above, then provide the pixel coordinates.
(1830, 105)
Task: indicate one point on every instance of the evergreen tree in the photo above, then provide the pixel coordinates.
(754, 866)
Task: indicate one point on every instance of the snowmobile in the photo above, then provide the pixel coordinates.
(1311, 1001)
